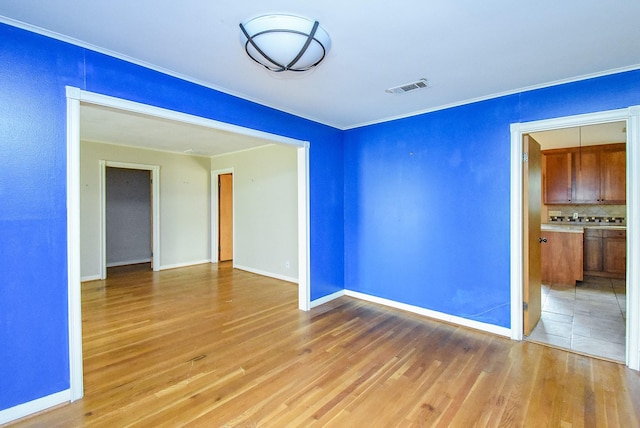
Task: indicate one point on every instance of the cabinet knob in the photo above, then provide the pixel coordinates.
(543, 240)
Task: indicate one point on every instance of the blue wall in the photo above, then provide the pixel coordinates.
(34, 70)
(427, 198)
(414, 210)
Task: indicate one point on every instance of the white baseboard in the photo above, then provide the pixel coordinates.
(186, 264)
(326, 299)
(35, 406)
(440, 316)
(265, 273)
(90, 278)
(128, 262)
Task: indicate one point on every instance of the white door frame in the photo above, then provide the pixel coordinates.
(215, 218)
(631, 116)
(155, 211)
(75, 96)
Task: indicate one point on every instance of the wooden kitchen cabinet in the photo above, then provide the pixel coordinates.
(593, 251)
(587, 175)
(605, 252)
(613, 175)
(556, 177)
(614, 247)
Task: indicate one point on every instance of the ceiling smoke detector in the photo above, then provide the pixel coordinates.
(412, 86)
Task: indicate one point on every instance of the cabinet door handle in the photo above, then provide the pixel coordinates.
(542, 240)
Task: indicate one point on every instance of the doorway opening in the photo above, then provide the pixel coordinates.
(130, 225)
(128, 218)
(629, 118)
(75, 97)
(575, 290)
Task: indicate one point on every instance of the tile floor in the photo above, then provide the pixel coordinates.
(589, 318)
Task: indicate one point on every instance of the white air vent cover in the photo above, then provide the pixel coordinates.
(418, 84)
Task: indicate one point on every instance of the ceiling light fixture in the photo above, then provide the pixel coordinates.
(285, 42)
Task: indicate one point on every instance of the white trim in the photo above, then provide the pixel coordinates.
(235, 152)
(184, 264)
(632, 117)
(91, 278)
(304, 249)
(328, 298)
(633, 238)
(214, 211)
(102, 214)
(516, 241)
(173, 152)
(267, 274)
(440, 316)
(76, 386)
(35, 406)
(155, 211)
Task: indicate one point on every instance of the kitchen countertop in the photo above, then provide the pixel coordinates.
(578, 228)
(570, 228)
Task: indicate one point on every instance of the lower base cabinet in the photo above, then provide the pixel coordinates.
(605, 252)
(562, 257)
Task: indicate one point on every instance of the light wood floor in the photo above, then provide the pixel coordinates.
(212, 346)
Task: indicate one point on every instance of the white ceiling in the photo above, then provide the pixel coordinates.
(590, 135)
(467, 49)
(106, 125)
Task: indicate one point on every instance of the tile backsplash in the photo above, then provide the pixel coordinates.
(585, 211)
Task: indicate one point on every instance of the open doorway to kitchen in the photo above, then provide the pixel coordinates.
(583, 239)
(584, 306)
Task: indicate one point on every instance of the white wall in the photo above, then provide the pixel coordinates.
(265, 209)
(184, 204)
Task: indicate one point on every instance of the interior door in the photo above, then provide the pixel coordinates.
(225, 217)
(532, 263)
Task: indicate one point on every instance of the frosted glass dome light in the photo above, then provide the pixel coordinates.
(285, 42)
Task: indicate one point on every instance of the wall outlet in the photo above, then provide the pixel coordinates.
(575, 216)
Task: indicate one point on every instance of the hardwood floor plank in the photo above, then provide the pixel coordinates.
(212, 346)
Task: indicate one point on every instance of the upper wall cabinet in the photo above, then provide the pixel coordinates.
(587, 175)
(556, 177)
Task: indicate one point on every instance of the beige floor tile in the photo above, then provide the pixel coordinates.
(607, 336)
(613, 326)
(588, 318)
(598, 347)
(552, 316)
(559, 306)
(554, 328)
(562, 342)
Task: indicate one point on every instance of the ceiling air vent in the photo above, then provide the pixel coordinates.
(418, 84)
